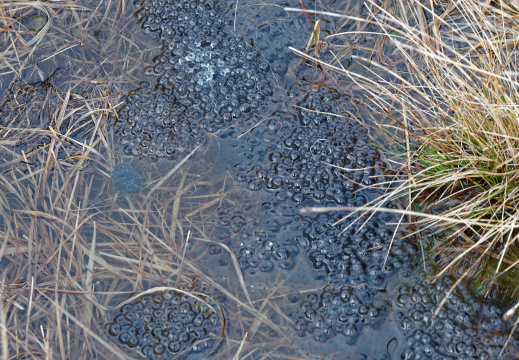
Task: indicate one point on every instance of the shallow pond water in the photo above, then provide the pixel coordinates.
(170, 226)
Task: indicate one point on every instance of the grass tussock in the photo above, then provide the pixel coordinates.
(451, 109)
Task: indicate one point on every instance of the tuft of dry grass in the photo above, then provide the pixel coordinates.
(448, 114)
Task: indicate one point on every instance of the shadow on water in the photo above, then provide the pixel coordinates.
(152, 190)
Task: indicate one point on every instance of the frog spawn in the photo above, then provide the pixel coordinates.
(168, 18)
(463, 329)
(263, 239)
(154, 125)
(210, 70)
(355, 253)
(225, 80)
(338, 311)
(323, 159)
(206, 79)
(170, 323)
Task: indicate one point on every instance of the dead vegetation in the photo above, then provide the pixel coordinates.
(95, 42)
(447, 115)
(72, 249)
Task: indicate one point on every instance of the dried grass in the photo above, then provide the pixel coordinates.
(71, 248)
(445, 91)
(95, 41)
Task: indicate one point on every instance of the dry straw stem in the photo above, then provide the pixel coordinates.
(452, 112)
(39, 210)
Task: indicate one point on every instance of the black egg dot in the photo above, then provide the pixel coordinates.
(159, 349)
(114, 329)
(133, 341)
